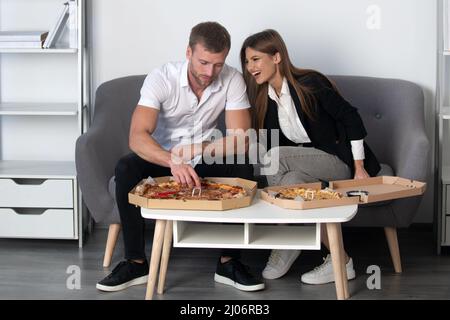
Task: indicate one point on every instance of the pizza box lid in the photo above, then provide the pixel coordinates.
(216, 205)
(380, 188)
(367, 190)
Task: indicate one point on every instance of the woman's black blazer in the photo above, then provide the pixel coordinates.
(335, 123)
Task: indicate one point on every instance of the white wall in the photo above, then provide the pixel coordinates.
(132, 37)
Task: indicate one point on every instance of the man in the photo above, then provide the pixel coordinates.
(182, 102)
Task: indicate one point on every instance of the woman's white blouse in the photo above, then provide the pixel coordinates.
(290, 123)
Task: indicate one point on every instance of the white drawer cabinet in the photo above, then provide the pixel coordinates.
(37, 223)
(444, 219)
(36, 193)
(39, 200)
(446, 199)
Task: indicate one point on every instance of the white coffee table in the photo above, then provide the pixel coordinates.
(254, 227)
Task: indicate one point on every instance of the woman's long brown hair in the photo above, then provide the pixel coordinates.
(270, 42)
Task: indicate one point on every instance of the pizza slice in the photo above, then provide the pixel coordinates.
(306, 194)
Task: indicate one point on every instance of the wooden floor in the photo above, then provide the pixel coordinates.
(36, 269)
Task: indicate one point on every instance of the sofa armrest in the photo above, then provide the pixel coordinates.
(96, 155)
(412, 161)
(413, 157)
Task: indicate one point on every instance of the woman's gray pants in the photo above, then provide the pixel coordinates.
(293, 165)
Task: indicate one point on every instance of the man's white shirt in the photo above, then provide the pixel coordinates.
(182, 118)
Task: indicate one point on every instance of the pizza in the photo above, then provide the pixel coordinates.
(209, 190)
(307, 194)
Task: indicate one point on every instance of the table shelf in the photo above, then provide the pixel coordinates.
(246, 235)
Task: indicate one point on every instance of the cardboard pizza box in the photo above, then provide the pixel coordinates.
(380, 188)
(249, 186)
(268, 194)
(359, 191)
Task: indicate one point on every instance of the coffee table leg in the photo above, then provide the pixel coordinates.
(336, 250)
(158, 238)
(344, 269)
(165, 256)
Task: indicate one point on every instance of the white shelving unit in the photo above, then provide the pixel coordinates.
(44, 107)
(38, 109)
(43, 51)
(442, 216)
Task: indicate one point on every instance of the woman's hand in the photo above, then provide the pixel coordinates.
(360, 172)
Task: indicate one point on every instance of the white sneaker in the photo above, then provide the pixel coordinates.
(324, 273)
(279, 263)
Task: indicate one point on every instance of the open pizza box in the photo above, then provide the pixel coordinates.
(226, 204)
(359, 191)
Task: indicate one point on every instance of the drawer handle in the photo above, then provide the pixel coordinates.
(29, 211)
(34, 182)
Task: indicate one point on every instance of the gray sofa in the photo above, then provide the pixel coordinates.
(392, 111)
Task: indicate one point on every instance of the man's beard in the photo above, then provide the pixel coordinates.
(198, 80)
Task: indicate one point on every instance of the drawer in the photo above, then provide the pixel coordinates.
(446, 231)
(37, 223)
(447, 198)
(36, 193)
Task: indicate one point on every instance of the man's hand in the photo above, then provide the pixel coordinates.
(360, 172)
(184, 173)
(187, 152)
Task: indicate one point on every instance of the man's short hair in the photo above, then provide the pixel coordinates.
(212, 35)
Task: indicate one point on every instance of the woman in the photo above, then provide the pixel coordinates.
(320, 133)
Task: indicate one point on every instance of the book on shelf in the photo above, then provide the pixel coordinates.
(55, 33)
(23, 36)
(73, 24)
(20, 44)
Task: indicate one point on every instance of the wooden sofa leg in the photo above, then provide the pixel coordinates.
(391, 237)
(113, 234)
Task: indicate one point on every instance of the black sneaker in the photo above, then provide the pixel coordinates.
(126, 274)
(234, 273)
